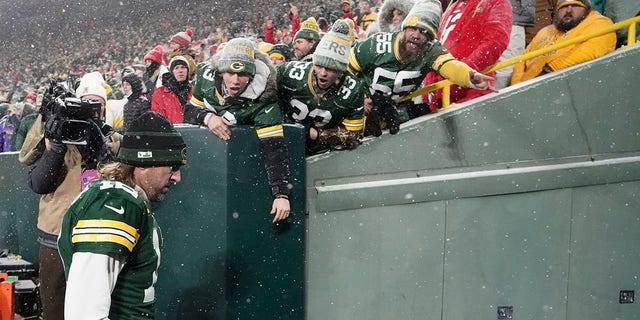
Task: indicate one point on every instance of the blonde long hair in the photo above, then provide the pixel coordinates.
(118, 171)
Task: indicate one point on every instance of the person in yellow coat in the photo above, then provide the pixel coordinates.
(573, 18)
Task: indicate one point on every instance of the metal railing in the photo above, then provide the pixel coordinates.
(445, 85)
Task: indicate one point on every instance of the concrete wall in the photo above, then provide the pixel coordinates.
(527, 198)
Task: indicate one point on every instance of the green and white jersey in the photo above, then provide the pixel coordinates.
(376, 61)
(301, 104)
(110, 217)
(208, 93)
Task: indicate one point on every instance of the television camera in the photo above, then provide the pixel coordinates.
(67, 118)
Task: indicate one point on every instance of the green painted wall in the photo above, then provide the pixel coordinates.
(18, 209)
(555, 254)
(527, 198)
(222, 257)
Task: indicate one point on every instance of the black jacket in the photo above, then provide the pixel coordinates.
(136, 104)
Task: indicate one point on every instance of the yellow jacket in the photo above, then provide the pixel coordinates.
(366, 20)
(567, 56)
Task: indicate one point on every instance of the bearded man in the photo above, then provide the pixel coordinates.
(572, 19)
(393, 65)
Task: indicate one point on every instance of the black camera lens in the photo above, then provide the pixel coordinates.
(76, 131)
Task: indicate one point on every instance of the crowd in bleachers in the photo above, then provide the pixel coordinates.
(74, 47)
(109, 37)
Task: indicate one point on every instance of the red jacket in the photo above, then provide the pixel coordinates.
(348, 15)
(270, 34)
(476, 32)
(295, 24)
(165, 102)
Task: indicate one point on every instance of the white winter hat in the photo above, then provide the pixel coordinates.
(93, 83)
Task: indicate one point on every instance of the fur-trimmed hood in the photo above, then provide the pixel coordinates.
(263, 86)
(384, 22)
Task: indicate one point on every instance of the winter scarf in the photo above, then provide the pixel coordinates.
(181, 89)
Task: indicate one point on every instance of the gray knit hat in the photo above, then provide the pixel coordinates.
(238, 56)
(425, 15)
(152, 141)
(334, 48)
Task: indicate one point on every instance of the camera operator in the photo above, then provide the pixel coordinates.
(76, 143)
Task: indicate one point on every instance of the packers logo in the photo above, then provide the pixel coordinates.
(412, 21)
(183, 154)
(237, 66)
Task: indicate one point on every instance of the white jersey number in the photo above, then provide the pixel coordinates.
(301, 111)
(297, 70)
(398, 78)
(383, 43)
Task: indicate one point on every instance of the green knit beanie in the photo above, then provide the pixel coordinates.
(308, 30)
(152, 141)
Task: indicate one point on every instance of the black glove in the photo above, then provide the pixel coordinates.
(47, 98)
(53, 128)
(393, 120)
(546, 69)
(372, 124)
(58, 147)
(53, 115)
(106, 129)
(388, 110)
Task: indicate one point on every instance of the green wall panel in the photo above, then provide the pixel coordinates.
(376, 263)
(508, 250)
(222, 256)
(513, 171)
(193, 221)
(18, 209)
(605, 96)
(495, 129)
(605, 255)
